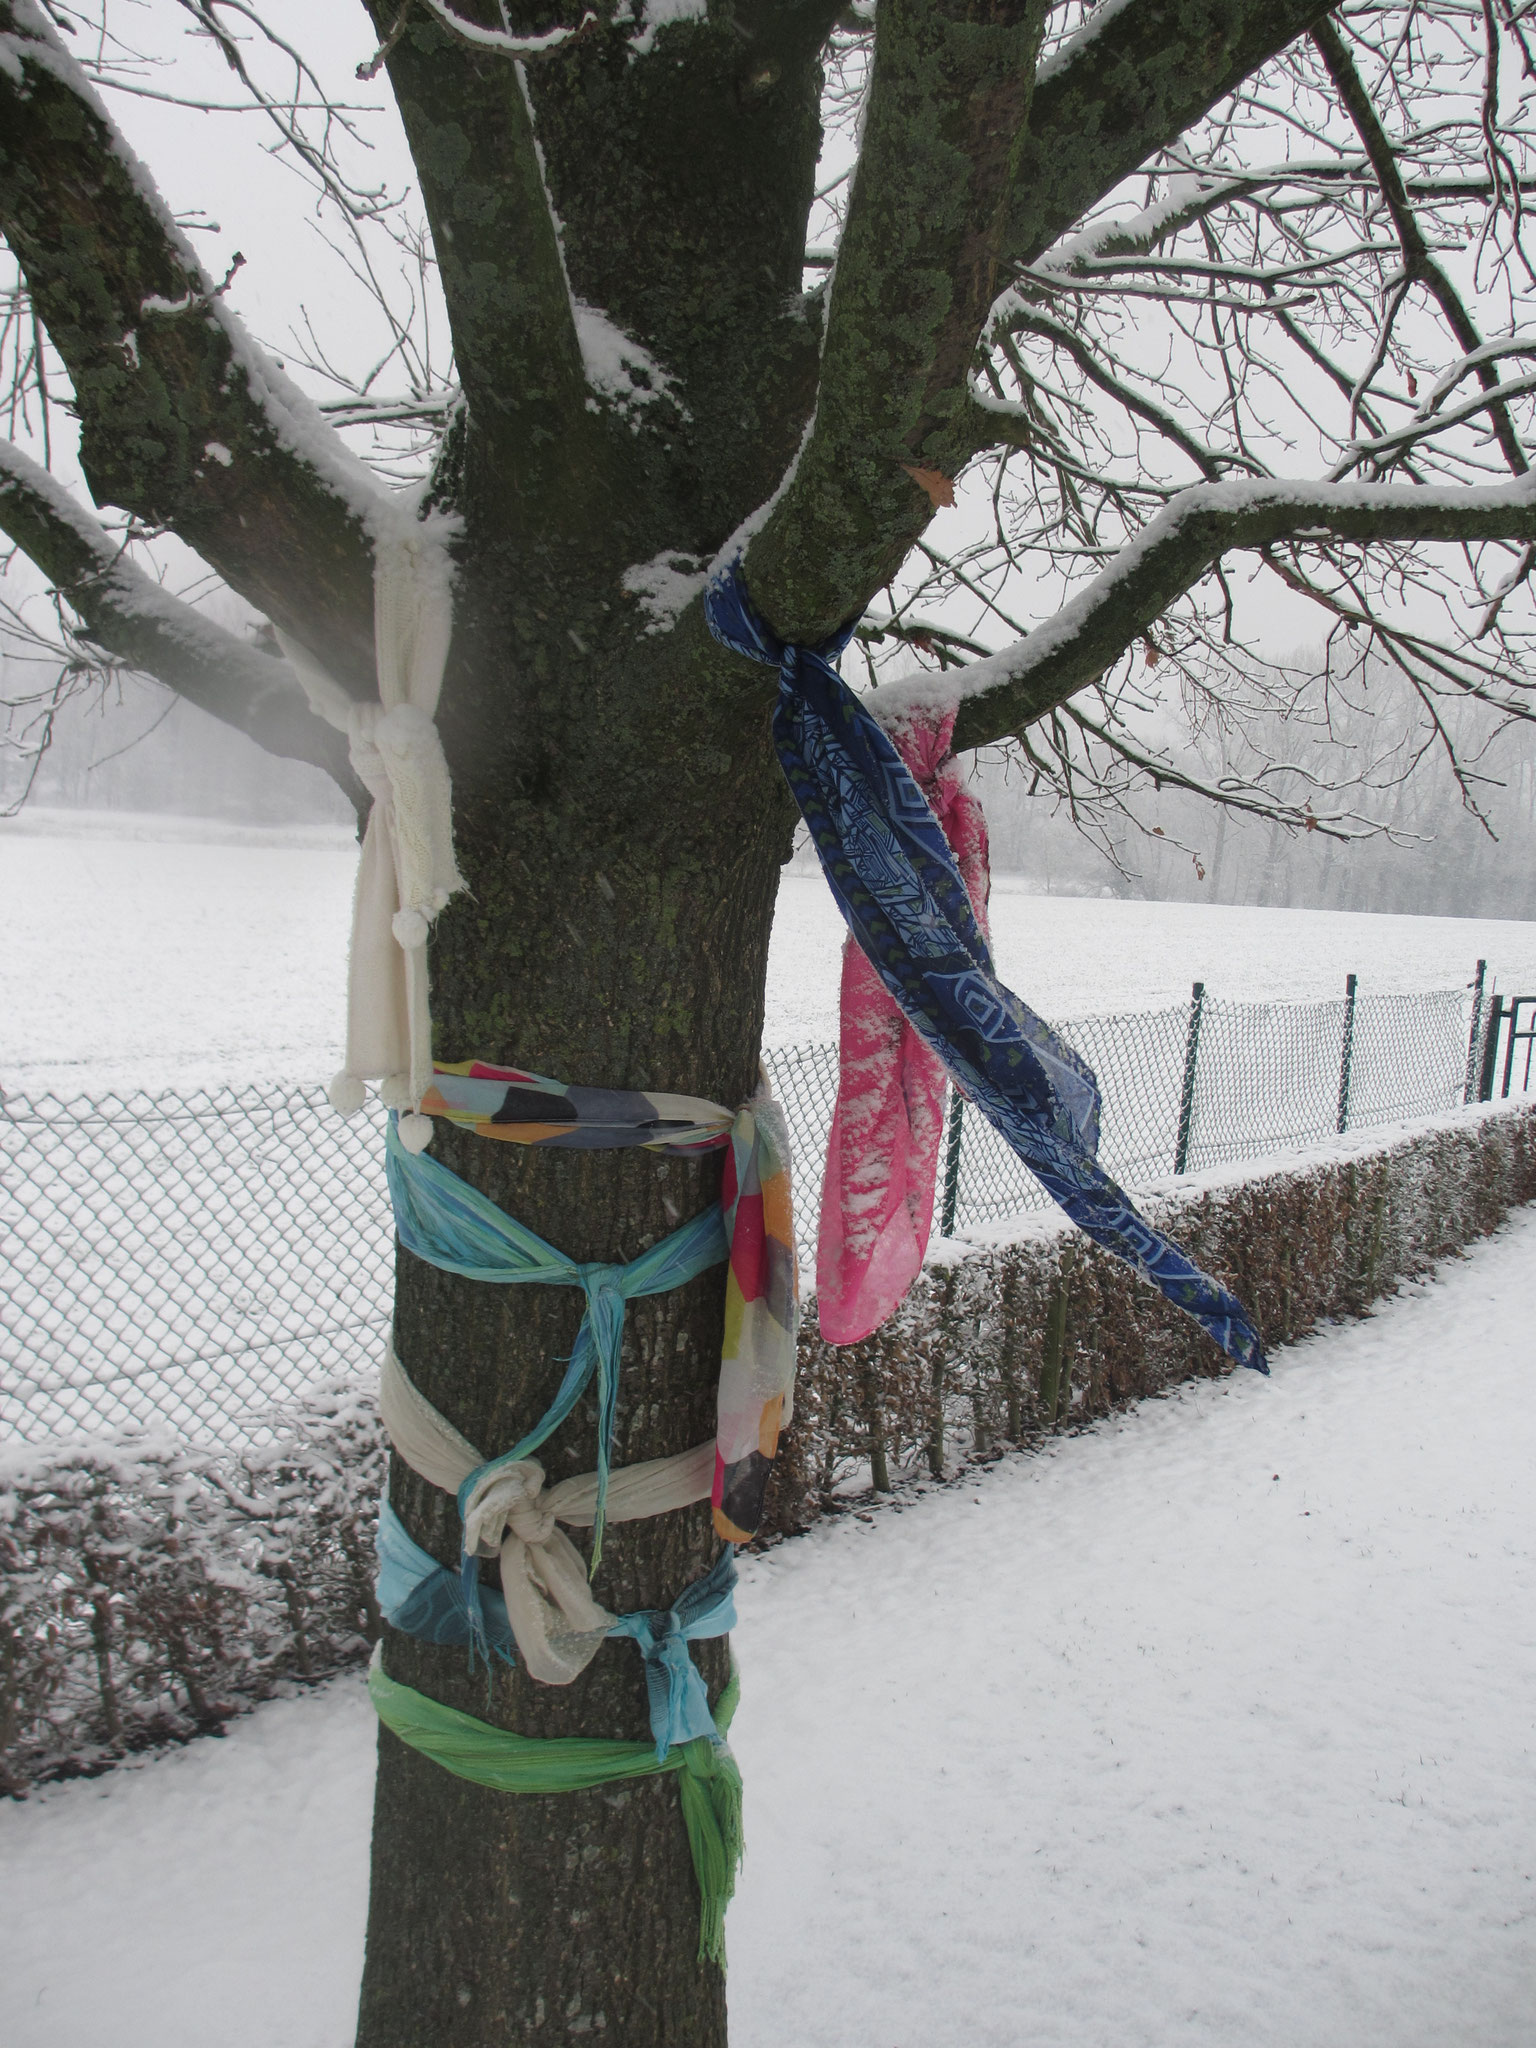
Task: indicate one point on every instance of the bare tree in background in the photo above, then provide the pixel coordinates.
(1190, 297)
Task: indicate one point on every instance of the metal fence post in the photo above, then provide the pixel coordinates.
(1490, 1050)
(1187, 1096)
(952, 1163)
(1347, 1051)
(1469, 1093)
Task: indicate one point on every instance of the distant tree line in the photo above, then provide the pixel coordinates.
(1457, 837)
(134, 747)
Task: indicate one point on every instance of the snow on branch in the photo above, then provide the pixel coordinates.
(1327, 271)
(1173, 551)
(499, 41)
(144, 627)
(143, 335)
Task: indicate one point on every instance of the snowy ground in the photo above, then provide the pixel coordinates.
(1212, 1726)
(166, 960)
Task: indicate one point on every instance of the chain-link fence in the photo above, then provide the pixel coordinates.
(185, 1260)
(188, 1260)
(1195, 1086)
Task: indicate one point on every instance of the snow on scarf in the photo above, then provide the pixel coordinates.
(882, 1154)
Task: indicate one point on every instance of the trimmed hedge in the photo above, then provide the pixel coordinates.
(1001, 1342)
(149, 1590)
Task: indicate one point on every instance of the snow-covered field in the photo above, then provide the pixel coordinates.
(1216, 1725)
(160, 954)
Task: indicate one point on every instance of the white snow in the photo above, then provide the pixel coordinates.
(132, 955)
(665, 587)
(156, 304)
(1141, 230)
(618, 368)
(500, 40)
(1072, 956)
(1213, 1725)
(736, 543)
(1069, 51)
(164, 963)
(654, 15)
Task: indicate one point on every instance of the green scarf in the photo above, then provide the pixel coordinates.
(504, 1762)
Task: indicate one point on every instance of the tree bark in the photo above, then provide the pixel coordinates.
(589, 949)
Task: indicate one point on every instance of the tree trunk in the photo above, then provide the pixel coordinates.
(622, 943)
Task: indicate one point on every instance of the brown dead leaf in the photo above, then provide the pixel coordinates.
(1151, 653)
(938, 486)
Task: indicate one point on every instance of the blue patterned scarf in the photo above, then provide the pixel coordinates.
(895, 881)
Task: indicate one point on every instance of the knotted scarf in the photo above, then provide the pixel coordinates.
(425, 1599)
(902, 896)
(709, 1780)
(757, 1349)
(883, 1149)
(407, 870)
(509, 1514)
(451, 1225)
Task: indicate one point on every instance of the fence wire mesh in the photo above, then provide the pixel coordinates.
(187, 1261)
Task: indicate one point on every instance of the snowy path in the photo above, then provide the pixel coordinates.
(1212, 1726)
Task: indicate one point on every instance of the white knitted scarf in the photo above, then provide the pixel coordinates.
(407, 871)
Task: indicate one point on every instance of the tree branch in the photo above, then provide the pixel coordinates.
(1418, 264)
(1003, 694)
(932, 193)
(143, 626)
(466, 118)
(996, 424)
(917, 271)
(1126, 86)
(183, 421)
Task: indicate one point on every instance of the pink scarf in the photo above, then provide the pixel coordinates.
(883, 1152)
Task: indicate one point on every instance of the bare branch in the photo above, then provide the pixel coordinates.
(1419, 265)
(924, 234)
(1127, 85)
(184, 421)
(144, 627)
(1005, 693)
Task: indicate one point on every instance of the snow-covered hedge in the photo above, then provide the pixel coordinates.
(149, 1590)
(1003, 1340)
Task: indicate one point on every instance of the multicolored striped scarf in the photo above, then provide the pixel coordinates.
(530, 1109)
